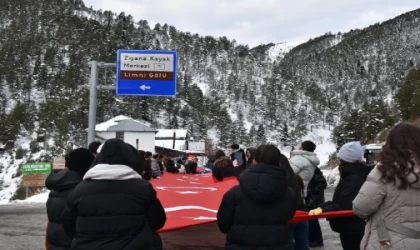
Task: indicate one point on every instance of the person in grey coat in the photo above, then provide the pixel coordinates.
(390, 197)
(155, 166)
(304, 161)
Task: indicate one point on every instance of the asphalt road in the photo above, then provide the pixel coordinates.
(22, 227)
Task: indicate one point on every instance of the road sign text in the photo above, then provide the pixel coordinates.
(147, 72)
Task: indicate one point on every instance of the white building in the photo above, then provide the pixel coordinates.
(139, 134)
(178, 139)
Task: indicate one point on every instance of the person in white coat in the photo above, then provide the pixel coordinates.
(390, 197)
(304, 161)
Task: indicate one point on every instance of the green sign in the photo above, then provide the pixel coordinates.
(36, 168)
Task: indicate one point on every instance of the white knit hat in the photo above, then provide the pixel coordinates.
(351, 152)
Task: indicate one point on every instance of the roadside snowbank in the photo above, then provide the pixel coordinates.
(39, 198)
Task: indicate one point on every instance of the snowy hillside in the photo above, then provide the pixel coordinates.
(277, 52)
(10, 162)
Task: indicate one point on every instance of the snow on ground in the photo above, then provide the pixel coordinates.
(280, 49)
(205, 88)
(9, 167)
(213, 135)
(332, 176)
(324, 148)
(324, 144)
(337, 40)
(8, 184)
(38, 198)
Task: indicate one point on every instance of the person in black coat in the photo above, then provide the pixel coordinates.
(61, 183)
(113, 207)
(250, 152)
(314, 198)
(147, 169)
(223, 167)
(191, 166)
(160, 163)
(353, 173)
(170, 166)
(255, 214)
(239, 155)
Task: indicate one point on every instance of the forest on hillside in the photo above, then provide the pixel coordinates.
(229, 88)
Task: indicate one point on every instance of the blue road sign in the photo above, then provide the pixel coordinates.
(147, 72)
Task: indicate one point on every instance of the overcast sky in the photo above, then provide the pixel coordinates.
(254, 22)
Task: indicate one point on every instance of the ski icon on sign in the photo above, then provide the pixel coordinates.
(144, 87)
(159, 66)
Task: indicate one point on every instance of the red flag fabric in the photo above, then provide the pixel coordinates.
(194, 199)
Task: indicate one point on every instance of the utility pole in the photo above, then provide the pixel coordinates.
(93, 95)
(93, 100)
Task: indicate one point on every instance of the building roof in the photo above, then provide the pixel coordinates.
(169, 133)
(131, 126)
(123, 123)
(179, 144)
(166, 151)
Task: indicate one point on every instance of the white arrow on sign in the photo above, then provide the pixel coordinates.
(144, 87)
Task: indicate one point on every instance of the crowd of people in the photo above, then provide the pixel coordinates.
(103, 199)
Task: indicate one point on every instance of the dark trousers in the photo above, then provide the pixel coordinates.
(298, 236)
(315, 232)
(351, 241)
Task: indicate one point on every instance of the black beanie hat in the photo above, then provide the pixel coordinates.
(117, 152)
(93, 147)
(79, 160)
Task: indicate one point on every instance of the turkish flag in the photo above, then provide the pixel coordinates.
(194, 199)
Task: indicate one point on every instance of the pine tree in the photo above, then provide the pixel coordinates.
(261, 136)
(253, 135)
(240, 131)
(300, 128)
(408, 96)
(378, 117)
(350, 129)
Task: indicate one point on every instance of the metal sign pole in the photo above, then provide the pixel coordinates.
(93, 96)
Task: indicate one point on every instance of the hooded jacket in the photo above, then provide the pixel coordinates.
(352, 179)
(304, 164)
(61, 183)
(255, 214)
(113, 207)
(377, 201)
